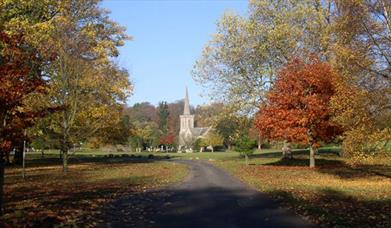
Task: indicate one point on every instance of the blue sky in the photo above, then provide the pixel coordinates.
(168, 37)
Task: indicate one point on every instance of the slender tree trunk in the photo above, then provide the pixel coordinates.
(312, 156)
(7, 158)
(259, 142)
(284, 149)
(246, 158)
(65, 141)
(65, 161)
(212, 149)
(2, 167)
(18, 156)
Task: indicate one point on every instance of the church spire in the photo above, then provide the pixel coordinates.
(186, 110)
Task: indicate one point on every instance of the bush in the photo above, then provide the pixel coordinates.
(245, 146)
(197, 145)
(266, 145)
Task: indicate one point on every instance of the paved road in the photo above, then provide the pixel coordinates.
(210, 197)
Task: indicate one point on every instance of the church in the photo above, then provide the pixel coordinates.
(188, 134)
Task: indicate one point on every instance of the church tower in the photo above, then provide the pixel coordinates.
(187, 120)
(188, 134)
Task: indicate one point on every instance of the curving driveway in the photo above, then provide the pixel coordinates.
(211, 197)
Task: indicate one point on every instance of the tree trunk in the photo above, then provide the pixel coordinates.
(246, 158)
(18, 156)
(65, 161)
(286, 150)
(312, 156)
(212, 149)
(65, 142)
(2, 166)
(259, 142)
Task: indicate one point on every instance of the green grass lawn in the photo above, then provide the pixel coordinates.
(47, 196)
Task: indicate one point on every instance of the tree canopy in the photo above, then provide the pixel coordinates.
(297, 107)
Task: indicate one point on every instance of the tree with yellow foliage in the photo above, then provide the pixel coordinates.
(362, 103)
(212, 139)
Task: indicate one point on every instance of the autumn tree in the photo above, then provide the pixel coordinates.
(145, 134)
(167, 139)
(241, 61)
(23, 26)
(142, 112)
(229, 125)
(20, 76)
(363, 115)
(297, 107)
(211, 139)
(145, 130)
(239, 64)
(363, 93)
(231, 128)
(117, 133)
(228, 128)
(83, 78)
(207, 115)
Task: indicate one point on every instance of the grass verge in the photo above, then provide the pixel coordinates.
(333, 194)
(47, 196)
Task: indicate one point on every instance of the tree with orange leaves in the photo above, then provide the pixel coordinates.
(297, 107)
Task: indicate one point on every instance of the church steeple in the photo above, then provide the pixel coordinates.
(186, 109)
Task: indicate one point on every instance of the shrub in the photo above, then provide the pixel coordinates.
(197, 145)
(245, 146)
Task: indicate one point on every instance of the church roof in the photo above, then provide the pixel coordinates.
(199, 131)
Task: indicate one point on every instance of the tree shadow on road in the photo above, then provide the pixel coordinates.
(205, 207)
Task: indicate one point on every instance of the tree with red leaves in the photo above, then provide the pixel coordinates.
(20, 77)
(167, 139)
(297, 107)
